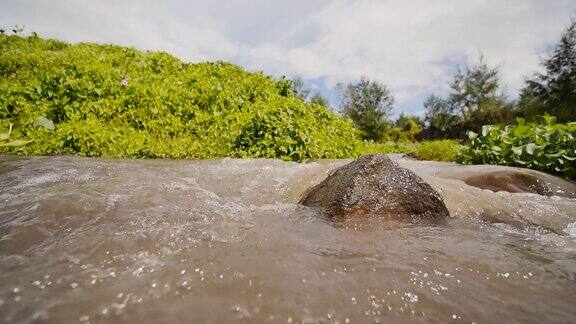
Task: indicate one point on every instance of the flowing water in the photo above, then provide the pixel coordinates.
(158, 241)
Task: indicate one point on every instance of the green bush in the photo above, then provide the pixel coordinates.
(387, 147)
(113, 101)
(548, 147)
(440, 150)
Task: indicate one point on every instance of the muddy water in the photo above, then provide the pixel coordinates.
(93, 240)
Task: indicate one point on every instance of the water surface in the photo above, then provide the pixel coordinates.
(94, 240)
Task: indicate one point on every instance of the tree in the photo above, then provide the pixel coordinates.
(410, 126)
(554, 91)
(475, 99)
(440, 116)
(369, 104)
(476, 94)
(476, 90)
(404, 121)
(318, 99)
(299, 89)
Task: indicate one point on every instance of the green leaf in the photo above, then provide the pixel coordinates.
(16, 143)
(44, 122)
(6, 136)
(530, 148)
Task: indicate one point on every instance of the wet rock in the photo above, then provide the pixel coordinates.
(374, 185)
(510, 181)
(513, 180)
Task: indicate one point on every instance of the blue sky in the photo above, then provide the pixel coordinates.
(413, 46)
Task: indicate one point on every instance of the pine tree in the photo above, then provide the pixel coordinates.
(369, 104)
(554, 91)
(476, 92)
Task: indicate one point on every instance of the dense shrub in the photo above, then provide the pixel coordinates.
(547, 146)
(440, 150)
(114, 101)
(387, 147)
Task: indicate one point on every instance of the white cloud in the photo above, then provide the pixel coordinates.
(412, 45)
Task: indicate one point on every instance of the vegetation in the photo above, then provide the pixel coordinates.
(439, 117)
(105, 100)
(441, 150)
(7, 142)
(406, 128)
(369, 104)
(545, 146)
(387, 147)
(475, 99)
(553, 92)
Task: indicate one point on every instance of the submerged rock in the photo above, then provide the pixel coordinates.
(513, 180)
(509, 181)
(374, 185)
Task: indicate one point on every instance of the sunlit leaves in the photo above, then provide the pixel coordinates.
(544, 146)
(105, 100)
(44, 122)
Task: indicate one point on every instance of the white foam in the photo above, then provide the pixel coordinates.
(571, 229)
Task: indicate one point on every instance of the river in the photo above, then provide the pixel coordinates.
(91, 240)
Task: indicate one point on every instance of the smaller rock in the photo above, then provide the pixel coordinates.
(510, 181)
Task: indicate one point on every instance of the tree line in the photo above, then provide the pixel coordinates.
(475, 99)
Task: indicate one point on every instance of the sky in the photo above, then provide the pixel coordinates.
(413, 46)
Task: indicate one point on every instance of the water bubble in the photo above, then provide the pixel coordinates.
(411, 297)
(571, 229)
(40, 315)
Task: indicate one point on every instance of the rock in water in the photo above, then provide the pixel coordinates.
(374, 185)
(510, 181)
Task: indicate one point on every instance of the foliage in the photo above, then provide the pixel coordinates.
(302, 91)
(299, 89)
(105, 100)
(547, 147)
(387, 147)
(318, 99)
(369, 104)
(295, 134)
(7, 143)
(440, 150)
(406, 127)
(553, 92)
(440, 116)
(474, 100)
(472, 87)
